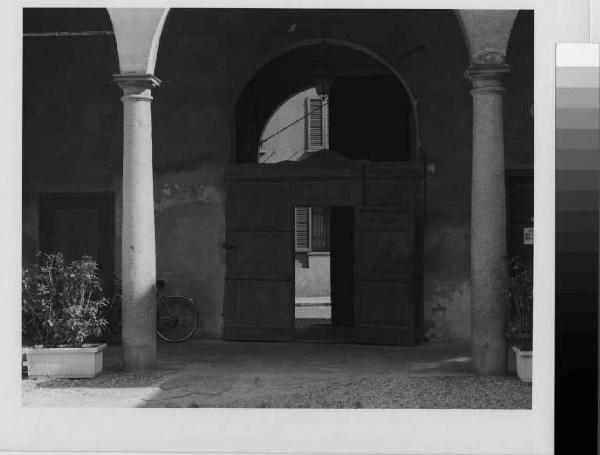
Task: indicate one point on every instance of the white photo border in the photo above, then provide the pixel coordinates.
(291, 430)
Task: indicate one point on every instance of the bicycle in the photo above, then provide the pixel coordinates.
(177, 318)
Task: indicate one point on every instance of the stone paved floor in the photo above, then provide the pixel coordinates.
(294, 375)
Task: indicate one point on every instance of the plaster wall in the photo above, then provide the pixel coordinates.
(289, 143)
(72, 122)
(314, 280)
(73, 132)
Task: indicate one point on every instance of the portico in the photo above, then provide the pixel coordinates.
(172, 222)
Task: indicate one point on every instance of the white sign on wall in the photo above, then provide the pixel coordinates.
(528, 236)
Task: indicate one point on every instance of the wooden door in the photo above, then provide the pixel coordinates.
(78, 224)
(342, 265)
(259, 285)
(385, 307)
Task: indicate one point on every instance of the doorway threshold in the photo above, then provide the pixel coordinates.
(323, 331)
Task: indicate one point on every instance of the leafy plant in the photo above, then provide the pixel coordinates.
(62, 301)
(520, 303)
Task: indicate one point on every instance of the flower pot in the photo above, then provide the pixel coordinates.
(524, 364)
(84, 362)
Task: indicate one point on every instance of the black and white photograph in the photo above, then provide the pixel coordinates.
(282, 227)
(269, 208)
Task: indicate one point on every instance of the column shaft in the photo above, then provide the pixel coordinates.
(138, 237)
(488, 222)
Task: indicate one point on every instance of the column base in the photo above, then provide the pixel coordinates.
(139, 357)
(488, 361)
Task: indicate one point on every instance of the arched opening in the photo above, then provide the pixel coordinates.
(337, 215)
(287, 135)
(368, 113)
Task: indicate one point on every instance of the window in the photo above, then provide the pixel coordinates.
(312, 229)
(319, 229)
(302, 219)
(316, 124)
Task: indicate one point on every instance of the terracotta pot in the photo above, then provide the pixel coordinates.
(84, 362)
(524, 364)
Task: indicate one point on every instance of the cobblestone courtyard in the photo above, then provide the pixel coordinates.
(294, 375)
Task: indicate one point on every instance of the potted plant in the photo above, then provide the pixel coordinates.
(62, 303)
(520, 320)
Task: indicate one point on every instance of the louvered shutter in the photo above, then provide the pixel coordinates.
(316, 124)
(319, 228)
(302, 215)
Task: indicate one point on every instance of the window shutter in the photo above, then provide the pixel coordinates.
(319, 228)
(316, 124)
(302, 219)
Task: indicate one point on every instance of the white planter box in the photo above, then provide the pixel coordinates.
(85, 362)
(524, 364)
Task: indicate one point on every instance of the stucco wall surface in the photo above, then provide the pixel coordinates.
(284, 136)
(314, 280)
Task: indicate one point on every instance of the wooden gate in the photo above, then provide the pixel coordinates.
(259, 281)
(389, 276)
(388, 211)
(385, 309)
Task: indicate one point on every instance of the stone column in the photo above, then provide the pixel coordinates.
(488, 221)
(138, 247)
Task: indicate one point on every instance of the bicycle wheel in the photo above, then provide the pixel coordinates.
(176, 319)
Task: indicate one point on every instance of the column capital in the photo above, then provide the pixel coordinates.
(136, 86)
(487, 77)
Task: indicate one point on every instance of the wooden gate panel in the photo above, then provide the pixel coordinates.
(381, 304)
(258, 205)
(386, 304)
(390, 259)
(332, 193)
(257, 255)
(257, 310)
(259, 284)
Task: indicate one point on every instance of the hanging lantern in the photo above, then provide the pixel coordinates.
(323, 80)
